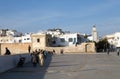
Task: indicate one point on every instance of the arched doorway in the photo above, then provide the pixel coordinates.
(87, 47)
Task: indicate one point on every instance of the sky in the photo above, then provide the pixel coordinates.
(69, 15)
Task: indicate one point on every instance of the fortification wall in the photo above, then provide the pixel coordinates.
(83, 48)
(15, 48)
(20, 48)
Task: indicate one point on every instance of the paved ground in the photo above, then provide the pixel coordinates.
(70, 66)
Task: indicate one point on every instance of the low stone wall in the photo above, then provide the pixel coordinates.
(15, 48)
(10, 61)
(82, 48)
(20, 48)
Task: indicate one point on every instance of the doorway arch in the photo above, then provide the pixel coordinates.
(87, 47)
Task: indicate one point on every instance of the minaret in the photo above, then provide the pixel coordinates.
(94, 34)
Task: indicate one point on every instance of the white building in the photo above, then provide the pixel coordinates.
(12, 39)
(110, 38)
(7, 39)
(2, 32)
(90, 37)
(114, 40)
(17, 40)
(55, 32)
(117, 39)
(68, 39)
(26, 38)
(61, 38)
(8, 32)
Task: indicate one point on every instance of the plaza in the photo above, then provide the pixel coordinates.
(70, 66)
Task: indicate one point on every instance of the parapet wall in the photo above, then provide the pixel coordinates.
(20, 48)
(10, 61)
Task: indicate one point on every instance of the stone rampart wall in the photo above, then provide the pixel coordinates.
(15, 48)
(83, 48)
(19, 48)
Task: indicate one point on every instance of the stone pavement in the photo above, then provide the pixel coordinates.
(70, 66)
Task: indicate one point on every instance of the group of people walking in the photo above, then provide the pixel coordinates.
(117, 51)
(38, 57)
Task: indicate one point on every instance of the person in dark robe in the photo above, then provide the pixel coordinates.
(7, 52)
(29, 48)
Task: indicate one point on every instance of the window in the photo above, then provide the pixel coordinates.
(14, 41)
(74, 41)
(24, 38)
(20, 41)
(62, 40)
(7, 40)
(38, 40)
(118, 38)
(28, 38)
(53, 42)
(70, 40)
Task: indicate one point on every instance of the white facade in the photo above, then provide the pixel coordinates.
(110, 38)
(117, 39)
(90, 38)
(114, 39)
(7, 39)
(12, 39)
(2, 32)
(61, 38)
(17, 40)
(8, 32)
(68, 39)
(26, 38)
(54, 32)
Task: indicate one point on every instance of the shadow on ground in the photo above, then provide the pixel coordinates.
(28, 71)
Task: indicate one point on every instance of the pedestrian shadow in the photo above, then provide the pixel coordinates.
(28, 71)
